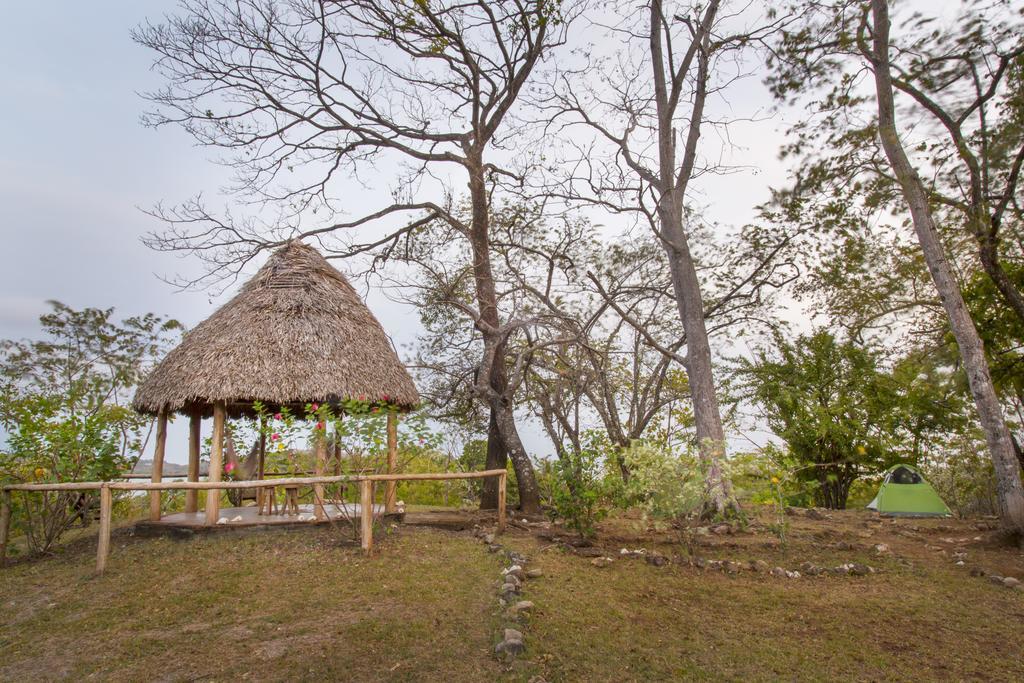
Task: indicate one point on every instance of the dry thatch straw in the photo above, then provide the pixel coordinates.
(297, 332)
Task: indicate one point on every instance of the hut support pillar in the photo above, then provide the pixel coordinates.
(158, 464)
(261, 463)
(366, 514)
(216, 463)
(195, 423)
(321, 464)
(391, 488)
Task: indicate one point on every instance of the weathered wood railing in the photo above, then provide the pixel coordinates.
(365, 481)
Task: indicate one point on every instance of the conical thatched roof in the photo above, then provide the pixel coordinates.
(297, 332)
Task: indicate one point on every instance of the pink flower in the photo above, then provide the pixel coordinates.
(316, 406)
(277, 416)
(385, 397)
(229, 468)
(275, 436)
(320, 425)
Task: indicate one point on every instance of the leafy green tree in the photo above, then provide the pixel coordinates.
(64, 408)
(840, 414)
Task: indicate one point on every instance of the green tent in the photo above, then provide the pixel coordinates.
(905, 492)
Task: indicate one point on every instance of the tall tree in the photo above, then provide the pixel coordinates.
(972, 351)
(649, 110)
(301, 92)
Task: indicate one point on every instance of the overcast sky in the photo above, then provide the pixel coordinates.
(76, 167)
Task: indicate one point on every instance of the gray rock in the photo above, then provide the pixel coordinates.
(493, 548)
(516, 572)
(759, 566)
(534, 573)
(510, 648)
(881, 548)
(860, 570)
(700, 563)
(1011, 582)
(996, 579)
(489, 539)
(721, 529)
(523, 606)
(779, 572)
(656, 560)
(601, 561)
(841, 570)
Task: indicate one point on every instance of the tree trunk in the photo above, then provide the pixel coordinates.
(672, 179)
(972, 352)
(487, 301)
(710, 434)
(497, 459)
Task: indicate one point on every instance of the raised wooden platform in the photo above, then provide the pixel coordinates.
(249, 516)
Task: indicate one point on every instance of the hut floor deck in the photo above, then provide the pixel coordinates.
(249, 516)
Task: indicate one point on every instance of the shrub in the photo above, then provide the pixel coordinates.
(576, 487)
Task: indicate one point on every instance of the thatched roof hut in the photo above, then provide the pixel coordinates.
(297, 332)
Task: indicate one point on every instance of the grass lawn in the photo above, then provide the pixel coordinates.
(294, 604)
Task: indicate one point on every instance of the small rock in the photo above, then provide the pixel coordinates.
(222, 520)
(978, 571)
(960, 563)
(860, 570)
(759, 566)
(522, 606)
(700, 563)
(489, 539)
(841, 570)
(516, 571)
(657, 560)
(843, 545)
(732, 567)
(601, 561)
(510, 647)
(1011, 582)
(793, 575)
(779, 571)
(534, 573)
(493, 548)
(881, 548)
(721, 529)
(996, 579)
(716, 565)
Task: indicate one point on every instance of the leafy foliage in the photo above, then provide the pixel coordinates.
(63, 406)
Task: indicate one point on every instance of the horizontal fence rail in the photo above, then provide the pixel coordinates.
(106, 489)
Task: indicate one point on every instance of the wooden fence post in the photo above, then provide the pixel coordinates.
(5, 525)
(103, 546)
(158, 464)
(501, 500)
(366, 514)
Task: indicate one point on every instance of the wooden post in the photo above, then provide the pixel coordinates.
(321, 463)
(261, 464)
(366, 514)
(216, 463)
(501, 500)
(103, 545)
(391, 487)
(158, 463)
(195, 423)
(5, 525)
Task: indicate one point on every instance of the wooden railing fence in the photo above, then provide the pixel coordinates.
(365, 481)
